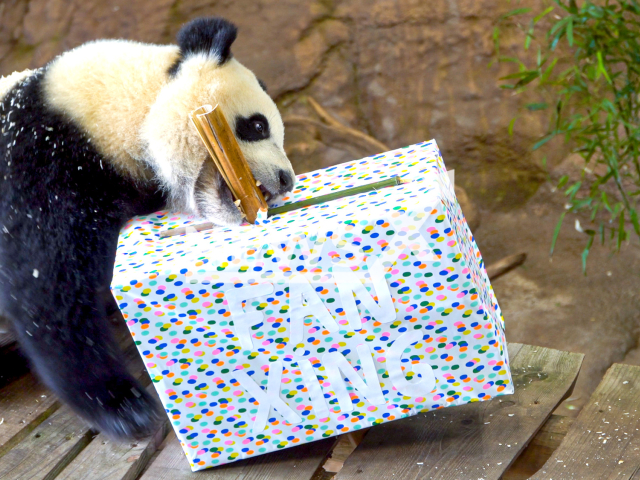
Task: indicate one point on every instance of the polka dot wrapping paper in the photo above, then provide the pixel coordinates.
(321, 321)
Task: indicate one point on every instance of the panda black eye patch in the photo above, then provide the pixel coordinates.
(253, 128)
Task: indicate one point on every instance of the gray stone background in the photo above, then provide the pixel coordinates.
(401, 71)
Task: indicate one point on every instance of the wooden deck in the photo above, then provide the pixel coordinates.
(510, 437)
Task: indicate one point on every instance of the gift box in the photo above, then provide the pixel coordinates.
(317, 322)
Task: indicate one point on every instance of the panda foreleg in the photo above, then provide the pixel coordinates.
(213, 198)
(63, 329)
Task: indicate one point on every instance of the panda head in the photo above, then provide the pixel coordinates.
(205, 72)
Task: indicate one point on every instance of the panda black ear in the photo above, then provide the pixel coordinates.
(212, 36)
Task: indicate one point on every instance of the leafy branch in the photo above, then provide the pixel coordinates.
(584, 62)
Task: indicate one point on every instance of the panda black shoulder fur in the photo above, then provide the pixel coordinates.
(97, 136)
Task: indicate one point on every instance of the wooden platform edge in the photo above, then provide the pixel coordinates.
(604, 440)
(453, 442)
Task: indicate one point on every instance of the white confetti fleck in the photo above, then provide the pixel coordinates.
(36, 272)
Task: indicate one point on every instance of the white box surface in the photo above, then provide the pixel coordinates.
(321, 321)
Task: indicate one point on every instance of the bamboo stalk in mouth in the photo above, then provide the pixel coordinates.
(218, 138)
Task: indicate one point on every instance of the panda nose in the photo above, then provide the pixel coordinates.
(286, 181)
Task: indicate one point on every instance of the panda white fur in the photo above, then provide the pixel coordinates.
(97, 136)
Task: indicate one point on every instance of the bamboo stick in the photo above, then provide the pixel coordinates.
(389, 182)
(223, 147)
(202, 127)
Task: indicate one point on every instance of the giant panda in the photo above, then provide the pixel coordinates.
(97, 136)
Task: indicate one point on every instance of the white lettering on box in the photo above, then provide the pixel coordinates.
(335, 362)
(313, 387)
(301, 291)
(349, 284)
(268, 399)
(243, 321)
(413, 388)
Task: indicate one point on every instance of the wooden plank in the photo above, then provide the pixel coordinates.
(540, 449)
(46, 450)
(345, 445)
(478, 440)
(104, 459)
(604, 440)
(295, 463)
(42, 449)
(24, 404)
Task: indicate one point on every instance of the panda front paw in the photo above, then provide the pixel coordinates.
(123, 410)
(214, 200)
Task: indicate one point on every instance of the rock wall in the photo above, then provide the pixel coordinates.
(401, 71)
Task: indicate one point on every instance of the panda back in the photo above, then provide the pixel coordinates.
(106, 88)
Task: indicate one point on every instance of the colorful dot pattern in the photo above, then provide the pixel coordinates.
(171, 293)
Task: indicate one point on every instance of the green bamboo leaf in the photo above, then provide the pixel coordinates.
(556, 232)
(634, 220)
(513, 13)
(601, 68)
(541, 142)
(585, 254)
(582, 203)
(511, 124)
(527, 40)
(605, 201)
(573, 189)
(540, 16)
(522, 74)
(563, 181)
(621, 231)
(512, 60)
(528, 79)
(532, 107)
(557, 28)
(570, 31)
(547, 73)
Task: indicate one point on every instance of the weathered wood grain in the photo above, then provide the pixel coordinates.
(296, 463)
(476, 440)
(104, 459)
(345, 445)
(47, 449)
(24, 404)
(41, 438)
(540, 449)
(604, 440)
